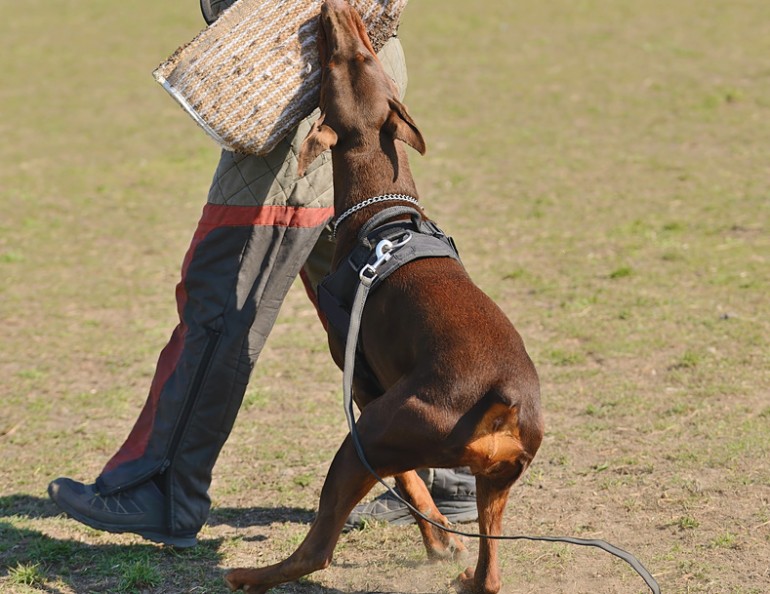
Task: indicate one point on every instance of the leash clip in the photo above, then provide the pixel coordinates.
(382, 253)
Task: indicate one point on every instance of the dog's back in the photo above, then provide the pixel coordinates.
(430, 322)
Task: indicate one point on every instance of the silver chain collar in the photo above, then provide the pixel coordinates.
(368, 202)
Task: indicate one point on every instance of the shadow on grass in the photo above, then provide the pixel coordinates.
(57, 564)
(50, 563)
(30, 557)
(241, 517)
(28, 506)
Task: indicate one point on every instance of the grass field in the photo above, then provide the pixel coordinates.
(604, 166)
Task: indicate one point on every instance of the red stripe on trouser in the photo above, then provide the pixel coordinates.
(215, 216)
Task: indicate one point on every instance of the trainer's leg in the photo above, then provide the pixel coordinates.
(254, 235)
(256, 232)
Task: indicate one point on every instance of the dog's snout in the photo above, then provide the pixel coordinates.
(339, 24)
(334, 5)
(332, 12)
(331, 24)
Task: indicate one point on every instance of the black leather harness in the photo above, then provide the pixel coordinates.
(381, 249)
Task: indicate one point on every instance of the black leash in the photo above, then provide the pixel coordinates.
(367, 275)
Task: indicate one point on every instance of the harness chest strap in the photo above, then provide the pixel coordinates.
(400, 242)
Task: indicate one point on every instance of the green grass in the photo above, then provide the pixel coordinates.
(138, 575)
(687, 523)
(26, 575)
(602, 166)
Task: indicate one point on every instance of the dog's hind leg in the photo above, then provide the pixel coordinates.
(491, 497)
(439, 544)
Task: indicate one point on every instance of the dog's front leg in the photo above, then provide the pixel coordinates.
(439, 544)
(346, 483)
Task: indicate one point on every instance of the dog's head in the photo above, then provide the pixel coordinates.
(359, 101)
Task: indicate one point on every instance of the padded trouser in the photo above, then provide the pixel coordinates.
(256, 232)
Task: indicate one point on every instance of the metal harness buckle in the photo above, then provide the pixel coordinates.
(383, 252)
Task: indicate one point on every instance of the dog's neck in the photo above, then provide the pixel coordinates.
(363, 172)
(367, 171)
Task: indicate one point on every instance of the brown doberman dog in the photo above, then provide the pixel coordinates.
(459, 387)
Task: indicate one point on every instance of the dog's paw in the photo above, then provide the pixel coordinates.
(242, 579)
(453, 549)
(443, 546)
(464, 583)
(457, 546)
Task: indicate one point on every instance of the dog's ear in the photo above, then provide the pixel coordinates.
(320, 138)
(403, 128)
